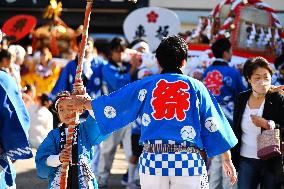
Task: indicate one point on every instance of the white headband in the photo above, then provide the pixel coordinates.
(58, 100)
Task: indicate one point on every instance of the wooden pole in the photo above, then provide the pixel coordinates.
(78, 79)
(78, 85)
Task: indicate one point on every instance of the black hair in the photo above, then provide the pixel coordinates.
(44, 100)
(171, 52)
(252, 64)
(53, 109)
(27, 88)
(41, 50)
(79, 39)
(220, 46)
(117, 44)
(5, 54)
(58, 96)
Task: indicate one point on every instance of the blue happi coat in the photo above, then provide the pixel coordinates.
(115, 77)
(67, 77)
(88, 137)
(172, 107)
(225, 83)
(14, 125)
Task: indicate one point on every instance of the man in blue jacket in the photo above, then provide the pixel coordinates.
(179, 118)
(225, 83)
(14, 126)
(116, 74)
(92, 76)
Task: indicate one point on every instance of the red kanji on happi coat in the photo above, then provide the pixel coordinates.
(214, 82)
(170, 100)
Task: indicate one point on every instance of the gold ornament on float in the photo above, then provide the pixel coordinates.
(53, 10)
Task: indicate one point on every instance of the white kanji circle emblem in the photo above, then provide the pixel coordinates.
(188, 133)
(110, 112)
(97, 81)
(142, 94)
(146, 120)
(211, 124)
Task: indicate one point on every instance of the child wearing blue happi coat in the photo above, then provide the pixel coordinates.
(52, 152)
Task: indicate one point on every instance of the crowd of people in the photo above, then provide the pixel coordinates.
(177, 129)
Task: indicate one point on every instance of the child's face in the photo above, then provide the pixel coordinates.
(66, 116)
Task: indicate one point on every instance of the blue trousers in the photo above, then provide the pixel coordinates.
(253, 172)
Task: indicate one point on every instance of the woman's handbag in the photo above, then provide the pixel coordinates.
(268, 144)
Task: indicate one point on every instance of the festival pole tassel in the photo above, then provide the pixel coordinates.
(78, 86)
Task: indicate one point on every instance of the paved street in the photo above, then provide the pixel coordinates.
(27, 179)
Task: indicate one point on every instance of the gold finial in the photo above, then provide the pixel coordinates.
(53, 10)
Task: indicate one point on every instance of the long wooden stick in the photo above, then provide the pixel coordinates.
(78, 79)
(78, 84)
(65, 165)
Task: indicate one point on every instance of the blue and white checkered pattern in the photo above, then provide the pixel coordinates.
(171, 164)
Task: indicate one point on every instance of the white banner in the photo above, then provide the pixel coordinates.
(151, 24)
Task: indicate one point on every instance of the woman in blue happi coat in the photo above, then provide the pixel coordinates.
(52, 151)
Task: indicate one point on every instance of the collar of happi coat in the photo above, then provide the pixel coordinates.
(78, 167)
(220, 62)
(171, 70)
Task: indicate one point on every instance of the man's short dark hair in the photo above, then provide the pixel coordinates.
(117, 44)
(220, 46)
(5, 54)
(171, 52)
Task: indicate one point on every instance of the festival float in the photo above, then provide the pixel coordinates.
(251, 25)
(55, 34)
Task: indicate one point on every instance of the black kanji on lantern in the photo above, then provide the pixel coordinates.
(140, 32)
(19, 25)
(163, 31)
